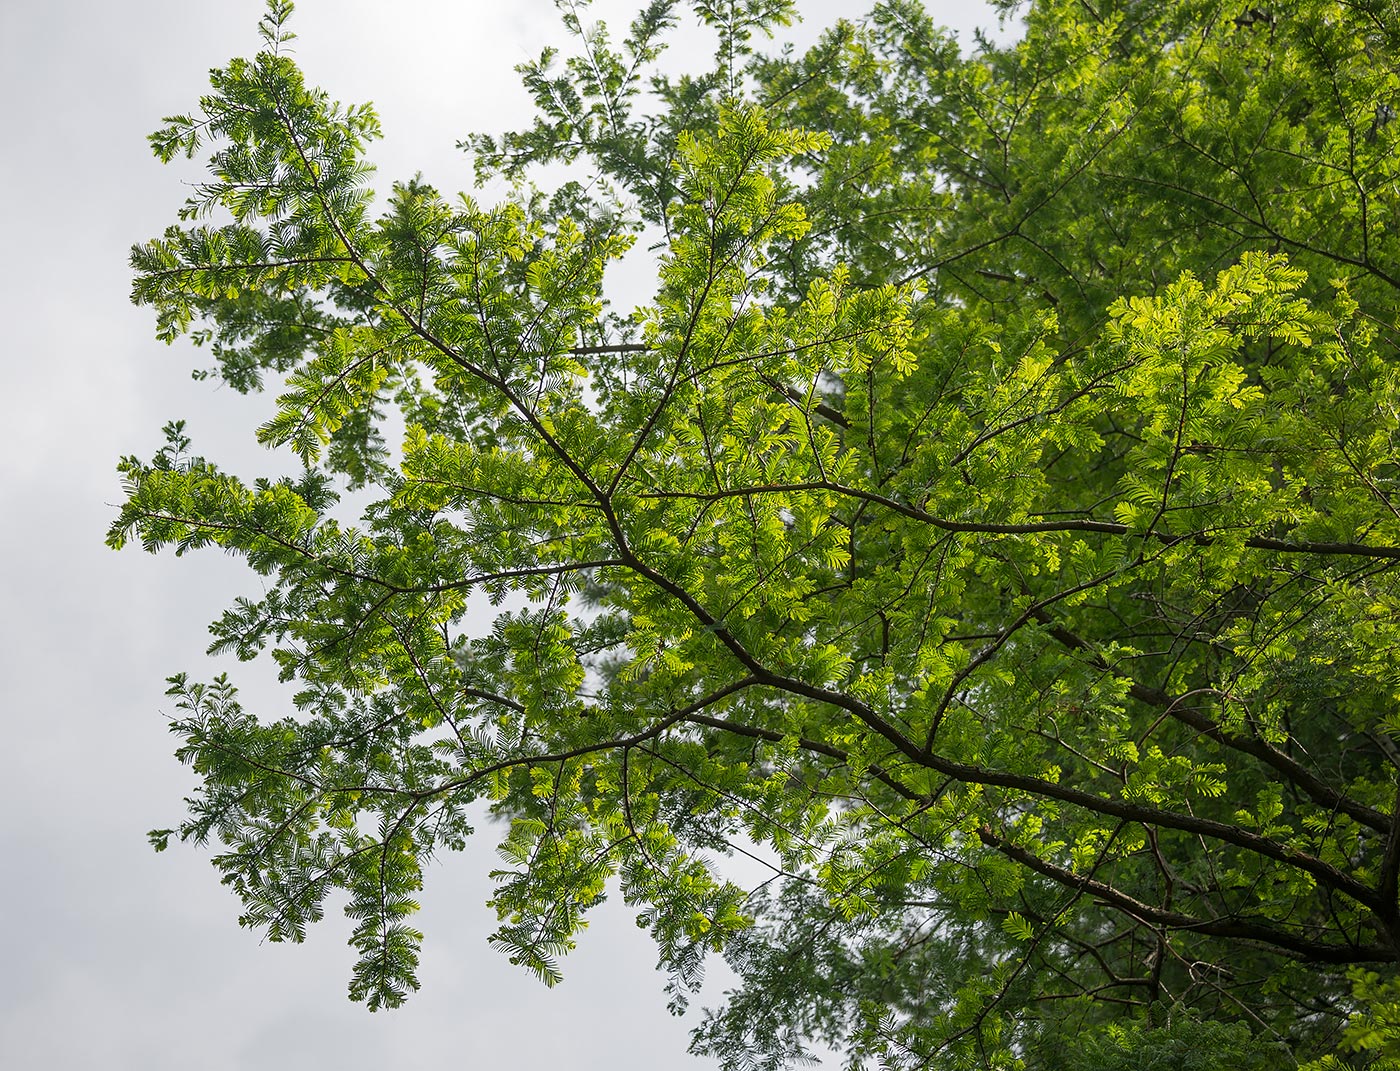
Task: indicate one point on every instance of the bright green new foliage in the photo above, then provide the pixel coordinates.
(990, 521)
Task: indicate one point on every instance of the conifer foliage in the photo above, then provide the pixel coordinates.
(990, 521)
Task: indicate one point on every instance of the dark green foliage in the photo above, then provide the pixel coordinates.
(1185, 1045)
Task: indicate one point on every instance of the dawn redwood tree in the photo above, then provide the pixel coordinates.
(991, 521)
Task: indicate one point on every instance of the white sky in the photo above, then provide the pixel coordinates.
(115, 957)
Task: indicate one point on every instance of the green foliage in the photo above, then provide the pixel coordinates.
(1371, 1038)
(990, 521)
(1184, 1044)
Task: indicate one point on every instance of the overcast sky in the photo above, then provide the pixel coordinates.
(114, 957)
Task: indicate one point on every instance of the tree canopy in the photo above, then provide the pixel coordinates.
(989, 523)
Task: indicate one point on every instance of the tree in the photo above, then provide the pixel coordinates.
(991, 524)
